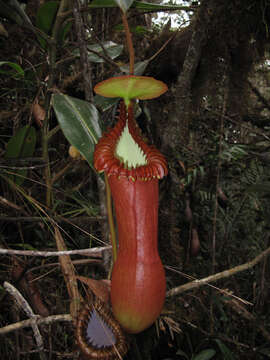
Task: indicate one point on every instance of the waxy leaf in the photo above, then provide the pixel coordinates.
(79, 121)
(131, 87)
(139, 68)
(205, 355)
(140, 5)
(103, 103)
(113, 50)
(146, 6)
(46, 15)
(45, 20)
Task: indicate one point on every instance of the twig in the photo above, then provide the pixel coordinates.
(162, 47)
(55, 265)
(38, 320)
(221, 275)
(86, 252)
(22, 303)
(9, 203)
(104, 57)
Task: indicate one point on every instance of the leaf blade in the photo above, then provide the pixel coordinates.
(79, 121)
(206, 354)
(21, 145)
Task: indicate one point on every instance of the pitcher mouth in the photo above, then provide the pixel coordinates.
(122, 152)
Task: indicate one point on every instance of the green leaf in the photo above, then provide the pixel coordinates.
(79, 121)
(139, 68)
(182, 353)
(21, 145)
(226, 352)
(131, 87)
(45, 20)
(144, 6)
(205, 355)
(13, 10)
(97, 4)
(104, 103)
(113, 50)
(46, 15)
(139, 30)
(18, 70)
(6, 11)
(124, 4)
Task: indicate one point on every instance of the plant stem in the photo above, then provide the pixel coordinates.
(110, 218)
(129, 44)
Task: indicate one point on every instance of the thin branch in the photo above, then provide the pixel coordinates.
(221, 275)
(162, 47)
(23, 304)
(9, 203)
(104, 57)
(86, 252)
(38, 320)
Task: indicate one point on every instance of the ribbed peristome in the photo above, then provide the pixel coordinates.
(106, 159)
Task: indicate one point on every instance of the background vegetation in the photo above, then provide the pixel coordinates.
(213, 128)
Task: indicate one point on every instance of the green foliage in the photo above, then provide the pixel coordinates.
(239, 165)
(45, 21)
(140, 5)
(21, 145)
(112, 50)
(18, 73)
(139, 68)
(226, 352)
(79, 121)
(12, 9)
(104, 103)
(206, 354)
(46, 15)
